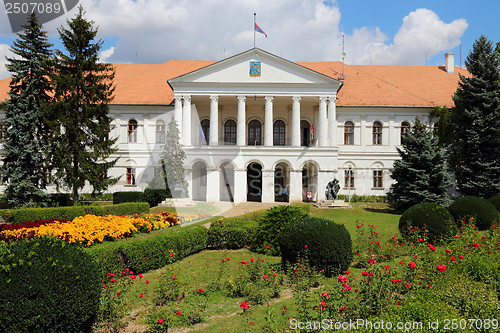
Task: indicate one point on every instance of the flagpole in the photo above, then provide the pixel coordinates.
(254, 22)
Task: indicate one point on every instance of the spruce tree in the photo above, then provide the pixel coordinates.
(475, 148)
(25, 131)
(420, 174)
(170, 173)
(79, 145)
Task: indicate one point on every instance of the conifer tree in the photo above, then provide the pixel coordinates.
(171, 173)
(420, 174)
(78, 117)
(475, 147)
(24, 129)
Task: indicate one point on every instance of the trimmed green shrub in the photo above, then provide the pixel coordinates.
(495, 200)
(327, 245)
(231, 234)
(468, 207)
(363, 198)
(142, 255)
(155, 196)
(428, 221)
(131, 196)
(47, 285)
(126, 208)
(270, 226)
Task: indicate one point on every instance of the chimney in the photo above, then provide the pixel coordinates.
(449, 63)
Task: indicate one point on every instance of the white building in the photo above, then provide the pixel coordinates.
(255, 123)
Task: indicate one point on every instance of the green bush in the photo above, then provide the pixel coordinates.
(32, 214)
(131, 196)
(270, 226)
(363, 198)
(231, 234)
(95, 197)
(466, 208)
(495, 200)
(155, 196)
(142, 255)
(126, 208)
(328, 245)
(61, 199)
(47, 286)
(427, 221)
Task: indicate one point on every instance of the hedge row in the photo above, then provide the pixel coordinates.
(143, 255)
(151, 196)
(69, 213)
(231, 233)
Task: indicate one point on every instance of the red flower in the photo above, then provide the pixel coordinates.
(172, 256)
(399, 302)
(111, 274)
(251, 260)
(275, 274)
(160, 321)
(305, 246)
(131, 273)
(407, 285)
(326, 295)
(227, 259)
(140, 295)
(475, 244)
(267, 247)
(126, 269)
(412, 264)
(244, 263)
(178, 313)
(432, 248)
(447, 251)
(244, 305)
(132, 277)
(484, 237)
(347, 272)
(420, 239)
(113, 280)
(342, 279)
(201, 290)
(441, 268)
(118, 294)
(175, 277)
(104, 286)
(140, 276)
(461, 257)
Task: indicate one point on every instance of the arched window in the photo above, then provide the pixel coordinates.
(377, 133)
(279, 133)
(348, 133)
(405, 128)
(132, 131)
(305, 134)
(205, 130)
(230, 132)
(254, 128)
(160, 131)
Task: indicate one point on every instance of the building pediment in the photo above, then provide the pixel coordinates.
(254, 71)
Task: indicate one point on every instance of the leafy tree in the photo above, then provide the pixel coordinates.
(78, 117)
(475, 147)
(170, 173)
(25, 131)
(420, 174)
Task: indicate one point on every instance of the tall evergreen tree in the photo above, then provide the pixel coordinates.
(25, 131)
(170, 173)
(78, 117)
(420, 174)
(475, 147)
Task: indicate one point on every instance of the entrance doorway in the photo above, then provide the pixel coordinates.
(254, 182)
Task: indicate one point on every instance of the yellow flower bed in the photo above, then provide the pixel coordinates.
(90, 228)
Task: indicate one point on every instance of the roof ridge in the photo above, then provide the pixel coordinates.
(389, 83)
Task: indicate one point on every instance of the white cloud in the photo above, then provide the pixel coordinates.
(300, 30)
(4, 52)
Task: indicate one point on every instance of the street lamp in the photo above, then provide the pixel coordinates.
(349, 174)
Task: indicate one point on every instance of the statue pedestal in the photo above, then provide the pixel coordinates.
(332, 204)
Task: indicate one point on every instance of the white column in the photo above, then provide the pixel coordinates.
(268, 122)
(323, 123)
(178, 113)
(186, 121)
(323, 178)
(295, 122)
(363, 134)
(295, 186)
(213, 185)
(391, 137)
(189, 180)
(240, 185)
(267, 185)
(332, 121)
(145, 129)
(241, 126)
(214, 121)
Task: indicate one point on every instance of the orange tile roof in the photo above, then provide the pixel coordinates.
(418, 86)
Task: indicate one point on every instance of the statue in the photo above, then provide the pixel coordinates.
(332, 189)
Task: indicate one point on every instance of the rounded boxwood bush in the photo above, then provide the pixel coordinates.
(465, 208)
(495, 200)
(329, 244)
(429, 221)
(47, 285)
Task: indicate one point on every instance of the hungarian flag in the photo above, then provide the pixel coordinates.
(258, 29)
(312, 135)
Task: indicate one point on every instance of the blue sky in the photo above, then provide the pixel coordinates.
(383, 32)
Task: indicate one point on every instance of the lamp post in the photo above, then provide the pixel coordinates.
(349, 174)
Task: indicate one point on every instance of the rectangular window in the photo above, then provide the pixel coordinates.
(130, 176)
(349, 181)
(160, 132)
(377, 179)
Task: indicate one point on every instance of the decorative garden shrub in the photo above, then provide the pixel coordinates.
(47, 285)
(326, 244)
(270, 226)
(495, 200)
(468, 207)
(427, 221)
